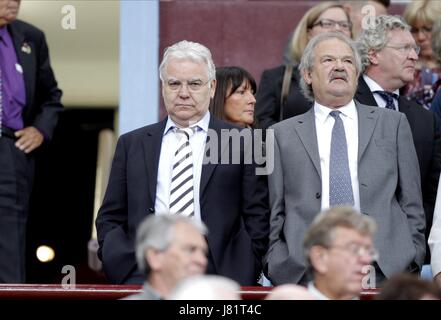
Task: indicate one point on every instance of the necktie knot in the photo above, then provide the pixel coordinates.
(335, 114)
(186, 132)
(388, 97)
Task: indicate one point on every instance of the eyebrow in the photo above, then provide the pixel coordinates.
(334, 57)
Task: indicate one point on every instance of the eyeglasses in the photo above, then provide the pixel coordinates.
(192, 85)
(406, 48)
(425, 30)
(358, 250)
(328, 24)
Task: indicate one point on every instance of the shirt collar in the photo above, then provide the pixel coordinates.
(374, 86)
(200, 125)
(316, 293)
(322, 112)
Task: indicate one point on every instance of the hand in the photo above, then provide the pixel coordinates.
(29, 139)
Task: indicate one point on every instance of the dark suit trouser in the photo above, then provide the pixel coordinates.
(16, 177)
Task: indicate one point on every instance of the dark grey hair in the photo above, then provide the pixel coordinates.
(156, 232)
(188, 50)
(307, 62)
(375, 37)
(322, 230)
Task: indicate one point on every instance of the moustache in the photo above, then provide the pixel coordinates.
(339, 75)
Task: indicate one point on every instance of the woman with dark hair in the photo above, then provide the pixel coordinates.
(234, 99)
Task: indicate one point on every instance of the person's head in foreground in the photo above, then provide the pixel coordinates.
(170, 248)
(289, 292)
(405, 286)
(206, 287)
(339, 249)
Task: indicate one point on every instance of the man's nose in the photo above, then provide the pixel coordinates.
(413, 55)
(183, 90)
(200, 258)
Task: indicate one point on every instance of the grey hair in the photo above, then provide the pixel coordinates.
(156, 232)
(321, 231)
(206, 287)
(307, 61)
(188, 50)
(436, 40)
(375, 37)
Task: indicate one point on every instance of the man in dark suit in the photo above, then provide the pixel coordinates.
(29, 107)
(389, 65)
(163, 168)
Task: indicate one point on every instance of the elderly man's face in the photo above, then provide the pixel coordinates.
(397, 60)
(186, 91)
(8, 11)
(340, 268)
(186, 256)
(333, 76)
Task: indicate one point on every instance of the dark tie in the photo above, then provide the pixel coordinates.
(340, 187)
(181, 188)
(389, 98)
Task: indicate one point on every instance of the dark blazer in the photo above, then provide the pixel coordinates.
(269, 95)
(233, 200)
(423, 124)
(42, 93)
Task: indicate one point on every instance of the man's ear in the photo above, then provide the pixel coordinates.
(306, 74)
(319, 259)
(154, 258)
(373, 56)
(213, 88)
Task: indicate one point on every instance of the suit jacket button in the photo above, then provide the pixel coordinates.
(318, 195)
(151, 210)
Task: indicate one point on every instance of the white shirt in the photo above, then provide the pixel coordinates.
(324, 124)
(168, 148)
(315, 292)
(374, 86)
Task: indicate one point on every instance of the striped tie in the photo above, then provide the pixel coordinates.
(181, 194)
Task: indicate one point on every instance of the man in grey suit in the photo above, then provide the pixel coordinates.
(339, 153)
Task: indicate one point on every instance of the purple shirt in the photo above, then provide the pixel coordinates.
(13, 87)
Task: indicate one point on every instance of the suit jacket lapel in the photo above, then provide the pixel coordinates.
(364, 94)
(305, 127)
(152, 150)
(367, 120)
(208, 168)
(26, 60)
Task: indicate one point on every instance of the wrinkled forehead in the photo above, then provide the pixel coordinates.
(345, 235)
(188, 67)
(399, 35)
(333, 47)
